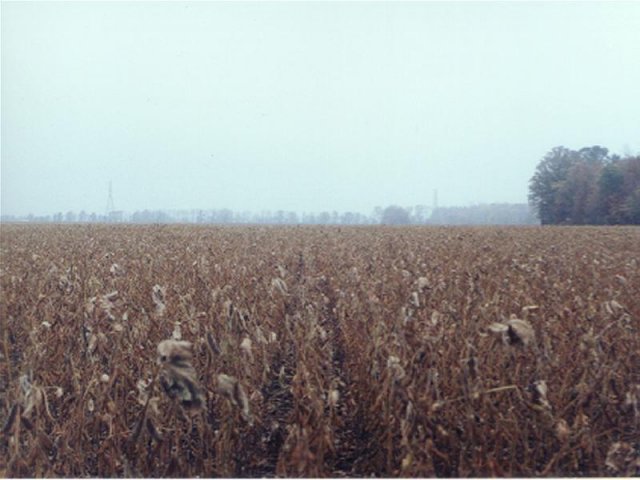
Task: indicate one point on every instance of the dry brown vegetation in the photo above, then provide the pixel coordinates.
(252, 351)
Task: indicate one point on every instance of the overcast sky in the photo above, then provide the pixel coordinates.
(305, 106)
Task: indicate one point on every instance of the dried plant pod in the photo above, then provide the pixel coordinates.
(174, 351)
(393, 364)
(92, 343)
(233, 390)
(111, 296)
(498, 327)
(106, 303)
(158, 296)
(213, 345)
(280, 285)
(333, 398)
(143, 394)
(530, 308)
(177, 332)
(32, 396)
(539, 391)
(520, 332)
(581, 422)
(622, 280)
(631, 400)
(414, 299)
(260, 336)
(514, 331)
(588, 342)
(616, 306)
(246, 347)
(623, 459)
(562, 430)
(407, 461)
(322, 332)
(422, 283)
(226, 384)
(178, 377)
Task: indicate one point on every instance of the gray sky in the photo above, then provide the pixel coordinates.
(305, 106)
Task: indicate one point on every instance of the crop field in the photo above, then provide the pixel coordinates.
(319, 351)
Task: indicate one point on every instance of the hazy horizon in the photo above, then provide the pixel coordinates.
(305, 106)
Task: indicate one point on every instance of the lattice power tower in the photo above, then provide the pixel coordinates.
(112, 215)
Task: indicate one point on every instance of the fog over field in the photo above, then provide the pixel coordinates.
(305, 106)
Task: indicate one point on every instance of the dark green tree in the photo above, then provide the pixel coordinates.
(548, 193)
(611, 195)
(630, 167)
(632, 207)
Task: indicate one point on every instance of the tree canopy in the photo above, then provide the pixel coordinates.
(395, 215)
(587, 186)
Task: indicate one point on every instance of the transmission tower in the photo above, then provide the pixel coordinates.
(110, 205)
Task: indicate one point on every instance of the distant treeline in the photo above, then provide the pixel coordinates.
(493, 214)
(587, 186)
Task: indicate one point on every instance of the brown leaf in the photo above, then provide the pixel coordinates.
(178, 377)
